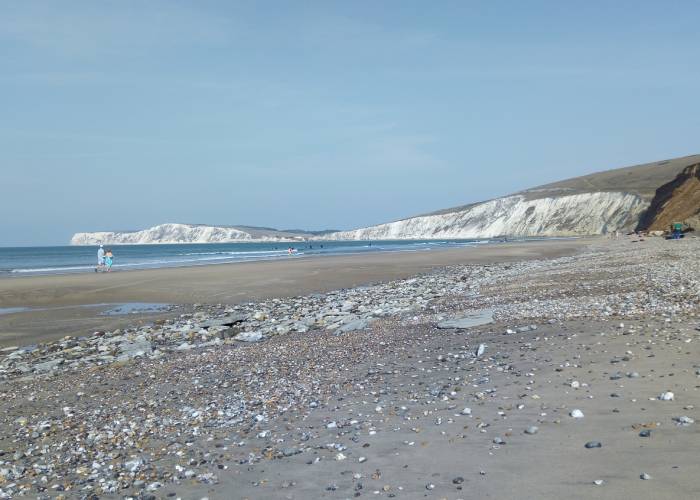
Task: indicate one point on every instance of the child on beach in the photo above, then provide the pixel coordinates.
(109, 259)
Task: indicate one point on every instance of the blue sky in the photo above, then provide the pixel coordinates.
(125, 114)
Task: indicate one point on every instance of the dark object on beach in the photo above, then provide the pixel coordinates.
(676, 231)
(593, 444)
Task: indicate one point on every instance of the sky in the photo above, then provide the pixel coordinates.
(118, 115)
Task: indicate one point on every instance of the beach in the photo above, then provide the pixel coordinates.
(349, 250)
(59, 300)
(568, 370)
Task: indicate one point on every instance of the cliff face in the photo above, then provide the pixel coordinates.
(177, 233)
(600, 203)
(676, 201)
(655, 193)
(580, 214)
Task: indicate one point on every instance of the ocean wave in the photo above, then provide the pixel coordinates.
(52, 269)
(256, 252)
(175, 262)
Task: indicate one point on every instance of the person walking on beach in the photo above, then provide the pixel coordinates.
(100, 259)
(109, 259)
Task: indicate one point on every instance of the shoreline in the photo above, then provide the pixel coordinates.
(224, 284)
(237, 258)
(136, 285)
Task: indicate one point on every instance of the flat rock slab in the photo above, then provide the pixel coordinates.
(468, 320)
(138, 347)
(358, 324)
(229, 320)
(255, 336)
(47, 366)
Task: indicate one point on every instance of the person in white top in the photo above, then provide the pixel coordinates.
(100, 259)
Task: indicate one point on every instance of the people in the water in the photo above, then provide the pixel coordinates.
(109, 259)
(105, 259)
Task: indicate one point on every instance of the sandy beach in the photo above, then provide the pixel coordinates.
(60, 297)
(573, 375)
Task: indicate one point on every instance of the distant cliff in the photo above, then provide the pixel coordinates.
(184, 233)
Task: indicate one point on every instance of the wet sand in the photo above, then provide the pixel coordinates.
(223, 283)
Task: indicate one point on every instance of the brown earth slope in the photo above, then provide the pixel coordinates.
(642, 180)
(676, 201)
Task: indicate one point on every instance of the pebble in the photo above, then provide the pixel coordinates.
(684, 420)
(666, 396)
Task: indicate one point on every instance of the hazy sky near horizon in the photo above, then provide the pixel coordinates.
(125, 114)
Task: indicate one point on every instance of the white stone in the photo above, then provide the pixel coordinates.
(255, 336)
(684, 420)
(666, 396)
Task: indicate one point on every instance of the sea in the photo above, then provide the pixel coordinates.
(31, 261)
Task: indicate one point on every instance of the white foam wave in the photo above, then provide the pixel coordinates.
(256, 252)
(51, 269)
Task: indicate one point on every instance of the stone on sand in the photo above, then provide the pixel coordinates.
(469, 320)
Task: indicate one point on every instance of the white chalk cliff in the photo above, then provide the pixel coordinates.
(177, 233)
(598, 203)
(573, 215)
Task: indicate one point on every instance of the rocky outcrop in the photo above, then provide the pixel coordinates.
(676, 201)
(574, 215)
